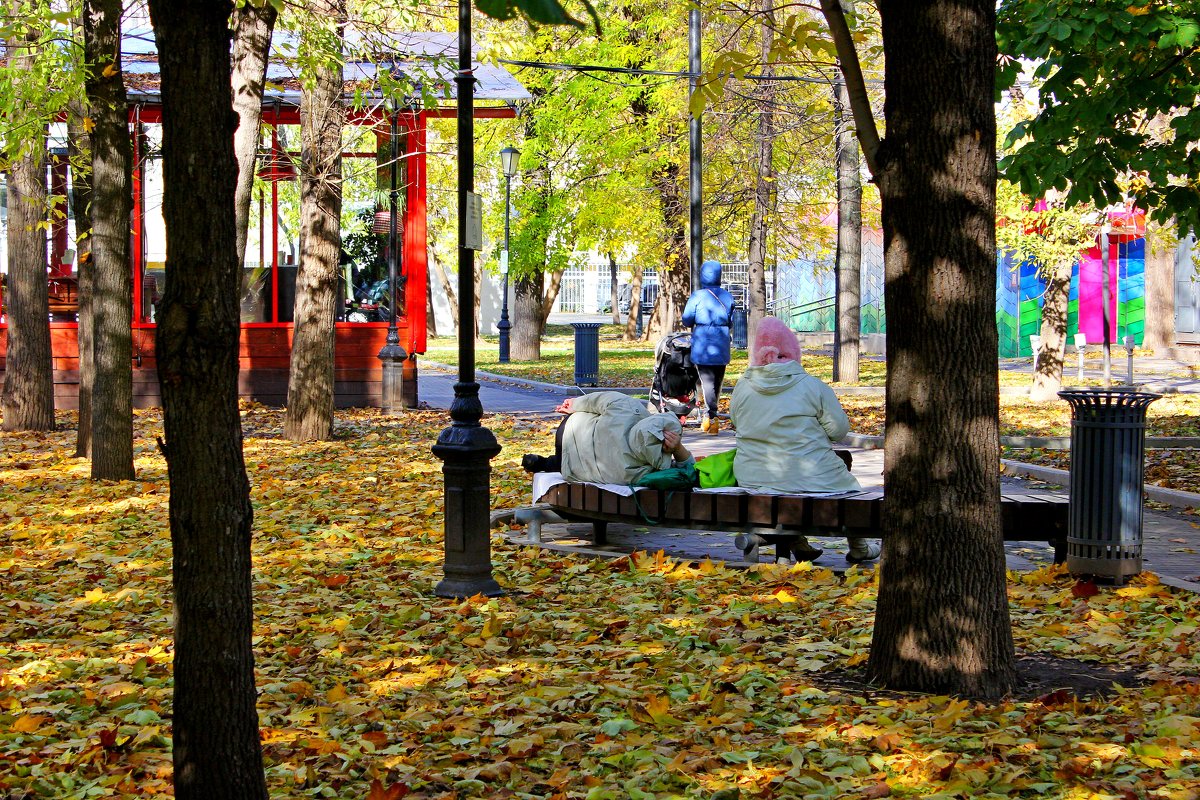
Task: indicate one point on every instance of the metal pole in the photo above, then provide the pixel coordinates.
(505, 326)
(392, 355)
(466, 447)
(696, 195)
(1104, 292)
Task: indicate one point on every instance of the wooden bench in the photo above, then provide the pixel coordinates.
(778, 519)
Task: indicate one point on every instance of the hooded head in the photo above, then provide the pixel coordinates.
(774, 342)
(710, 274)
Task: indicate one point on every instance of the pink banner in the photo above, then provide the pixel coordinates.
(1091, 304)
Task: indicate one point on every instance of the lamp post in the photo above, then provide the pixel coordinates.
(392, 355)
(509, 157)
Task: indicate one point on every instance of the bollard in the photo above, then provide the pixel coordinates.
(1080, 346)
(1129, 354)
(1108, 451)
(587, 353)
(738, 328)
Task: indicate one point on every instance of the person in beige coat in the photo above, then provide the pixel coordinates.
(610, 437)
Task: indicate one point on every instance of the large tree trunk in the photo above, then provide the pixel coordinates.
(1048, 371)
(216, 750)
(1160, 297)
(27, 400)
(764, 184)
(112, 282)
(310, 381)
(942, 622)
(252, 27)
(849, 242)
(79, 148)
(526, 338)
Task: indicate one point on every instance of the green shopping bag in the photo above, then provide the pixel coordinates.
(717, 470)
(680, 476)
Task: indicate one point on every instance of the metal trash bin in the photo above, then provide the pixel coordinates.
(738, 327)
(1108, 451)
(587, 353)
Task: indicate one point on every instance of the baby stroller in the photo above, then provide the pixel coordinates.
(674, 388)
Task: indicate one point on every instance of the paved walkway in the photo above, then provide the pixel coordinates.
(1171, 538)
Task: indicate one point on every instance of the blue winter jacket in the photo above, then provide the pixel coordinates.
(707, 313)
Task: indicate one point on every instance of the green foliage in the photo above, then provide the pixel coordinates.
(538, 12)
(1117, 86)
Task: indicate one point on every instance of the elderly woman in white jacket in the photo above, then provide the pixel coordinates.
(787, 422)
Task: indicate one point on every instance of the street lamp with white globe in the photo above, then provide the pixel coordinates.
(509, 158)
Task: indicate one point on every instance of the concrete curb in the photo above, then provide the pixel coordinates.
(1171, 497)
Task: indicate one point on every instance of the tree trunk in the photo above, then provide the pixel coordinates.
(942, 622)
(525, 338)
(614, 301)
(112, 281)
(1048, 371)
(764, 184)
(849, 242)
(430, 318)
(635, 306)
(674, 276)
(447, 286)
(309, 414)
(216, 750)
(79, 148)
(252, 28)
(1160, 298)
(548, 298)
(27, 400)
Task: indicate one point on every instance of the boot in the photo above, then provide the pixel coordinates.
(803, 551)
(862, 550)
(533, 463)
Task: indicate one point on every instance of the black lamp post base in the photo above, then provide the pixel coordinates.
(466, 450)
(504, 327)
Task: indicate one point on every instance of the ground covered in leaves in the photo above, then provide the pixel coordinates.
(636, 678)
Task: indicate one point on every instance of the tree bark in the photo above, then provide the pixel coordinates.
(764, 184)
(112, 281)
(942, 622)
(849, 242)
(216, 749)
(613, 300)
(252, 29)
(635, 306)
(447, 286)
(309, 413)
(548, 297)
(1160, 298)
(525, 338)
(1048, 370)
(27, 400)
(79, 148)
(674, 276)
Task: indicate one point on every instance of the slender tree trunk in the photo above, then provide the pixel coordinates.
(447, 286)
(112, 281)
(310, 382)
(526, 337)
(27, 401)
(764, 183)
(614, 301)
(216, 749)
(79, 147)
(1160, 298)
(849, 241)
(942, 622)
(252, 28)
(635, 306)
(548, 298)
(1048, 372)
(430, 319)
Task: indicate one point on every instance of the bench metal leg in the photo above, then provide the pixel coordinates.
(599, 532)
(749, 543)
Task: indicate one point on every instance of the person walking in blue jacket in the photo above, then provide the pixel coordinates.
(707, 313)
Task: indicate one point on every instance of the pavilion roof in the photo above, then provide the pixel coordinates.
(428, 59)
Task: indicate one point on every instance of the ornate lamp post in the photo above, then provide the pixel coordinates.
(509, 157)
(466, 447)
(392, 355)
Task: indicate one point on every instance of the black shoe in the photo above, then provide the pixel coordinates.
(532, 463)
